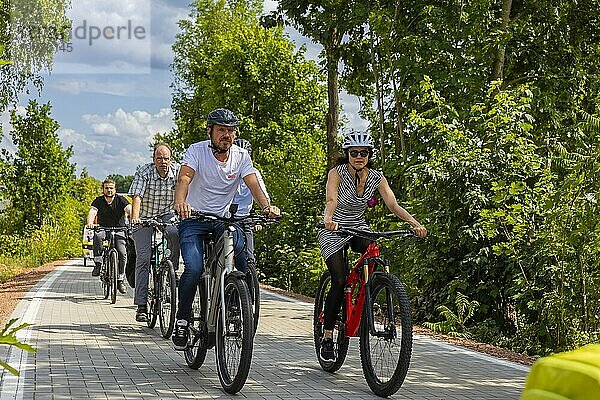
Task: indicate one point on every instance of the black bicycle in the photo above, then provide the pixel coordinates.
(162, 288)
(222, 310)
(109, 272)
(251, 275)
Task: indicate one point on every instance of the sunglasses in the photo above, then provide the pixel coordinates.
(355, 153)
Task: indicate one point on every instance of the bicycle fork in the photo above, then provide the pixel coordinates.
(369, 310)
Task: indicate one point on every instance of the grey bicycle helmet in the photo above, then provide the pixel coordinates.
(221, 116)
(357, 139)
(244, 144)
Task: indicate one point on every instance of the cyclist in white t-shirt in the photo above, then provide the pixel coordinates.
(209, 177)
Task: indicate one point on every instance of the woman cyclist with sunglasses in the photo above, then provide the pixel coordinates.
(350, 185)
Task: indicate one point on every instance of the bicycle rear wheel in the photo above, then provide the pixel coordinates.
(235, 339)
(195, 353)
(113, 263)
(254, 291)
(385, 353)
(152, 301)
(168, 295)
(339, 335)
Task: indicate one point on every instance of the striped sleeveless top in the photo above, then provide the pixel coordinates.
(350, 211)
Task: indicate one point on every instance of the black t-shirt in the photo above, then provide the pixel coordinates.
(112, 214)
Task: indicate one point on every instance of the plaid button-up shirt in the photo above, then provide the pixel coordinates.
(157, 193)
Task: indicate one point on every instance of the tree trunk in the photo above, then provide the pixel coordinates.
(333, 110)
(498, 71)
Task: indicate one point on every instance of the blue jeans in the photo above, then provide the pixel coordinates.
(191, 241)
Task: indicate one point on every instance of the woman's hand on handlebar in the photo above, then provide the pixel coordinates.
(419, 229)
(331, 225)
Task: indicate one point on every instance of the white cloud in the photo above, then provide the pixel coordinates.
(76, 87)
(115, 143)
(110, 36)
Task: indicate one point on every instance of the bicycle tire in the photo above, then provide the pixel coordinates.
(339, 336)
(167, 299)
(105, 276)
(389, 305)
(195, 354)
(254, 291)
(113, 258)
(152, 301)
(235, 341)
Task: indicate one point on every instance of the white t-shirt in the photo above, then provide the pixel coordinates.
(215, 183)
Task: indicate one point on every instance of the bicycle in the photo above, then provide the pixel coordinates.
(221, 311)
(376, 308)
(251, 274)
(162, 288)
(109, 272)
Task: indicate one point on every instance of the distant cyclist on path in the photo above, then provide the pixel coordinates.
(153, 189)
(110, 208)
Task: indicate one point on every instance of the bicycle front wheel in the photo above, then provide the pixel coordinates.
(386, 345)
(168, 295)
(105, 277)
(254, 291)
(113, 264)
(195, 353)
(339, 334)
(152, 299)
(234, 340)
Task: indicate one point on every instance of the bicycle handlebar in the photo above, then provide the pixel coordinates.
(111, 228)
(371, 235)
(202, 216)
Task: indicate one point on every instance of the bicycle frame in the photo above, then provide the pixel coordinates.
(358, 278)
(218, 264)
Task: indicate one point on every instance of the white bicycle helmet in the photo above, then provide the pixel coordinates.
(357, 139)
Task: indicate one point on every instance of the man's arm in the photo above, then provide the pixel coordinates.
(252, 182)
(186, 174)
(136, 204)
(91, 216)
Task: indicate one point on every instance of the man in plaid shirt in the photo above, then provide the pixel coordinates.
(152, 191)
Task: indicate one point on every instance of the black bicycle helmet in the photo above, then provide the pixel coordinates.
(244, 144)
(221, 116)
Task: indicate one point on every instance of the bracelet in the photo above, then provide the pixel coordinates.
(265, 208)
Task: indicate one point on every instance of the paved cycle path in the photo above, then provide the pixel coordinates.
(88, 348)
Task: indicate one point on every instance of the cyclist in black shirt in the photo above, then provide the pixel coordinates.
(110, 208)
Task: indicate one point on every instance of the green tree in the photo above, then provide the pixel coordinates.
(122, 183)
(30, 33)
(327, 22)
(38, 176)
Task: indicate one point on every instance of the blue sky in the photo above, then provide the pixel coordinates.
(111, 94)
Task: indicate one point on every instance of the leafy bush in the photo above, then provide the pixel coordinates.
(455, 323)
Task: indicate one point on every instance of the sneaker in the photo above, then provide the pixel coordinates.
(96, 270)
(141, 315)
(180, 334)
(327, 352)
(121, 287)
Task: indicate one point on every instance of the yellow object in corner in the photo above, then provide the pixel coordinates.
(572, 375)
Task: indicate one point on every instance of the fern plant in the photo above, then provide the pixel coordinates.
(454, 325)
(10, 339)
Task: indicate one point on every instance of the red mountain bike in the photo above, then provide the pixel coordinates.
(376, 309)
